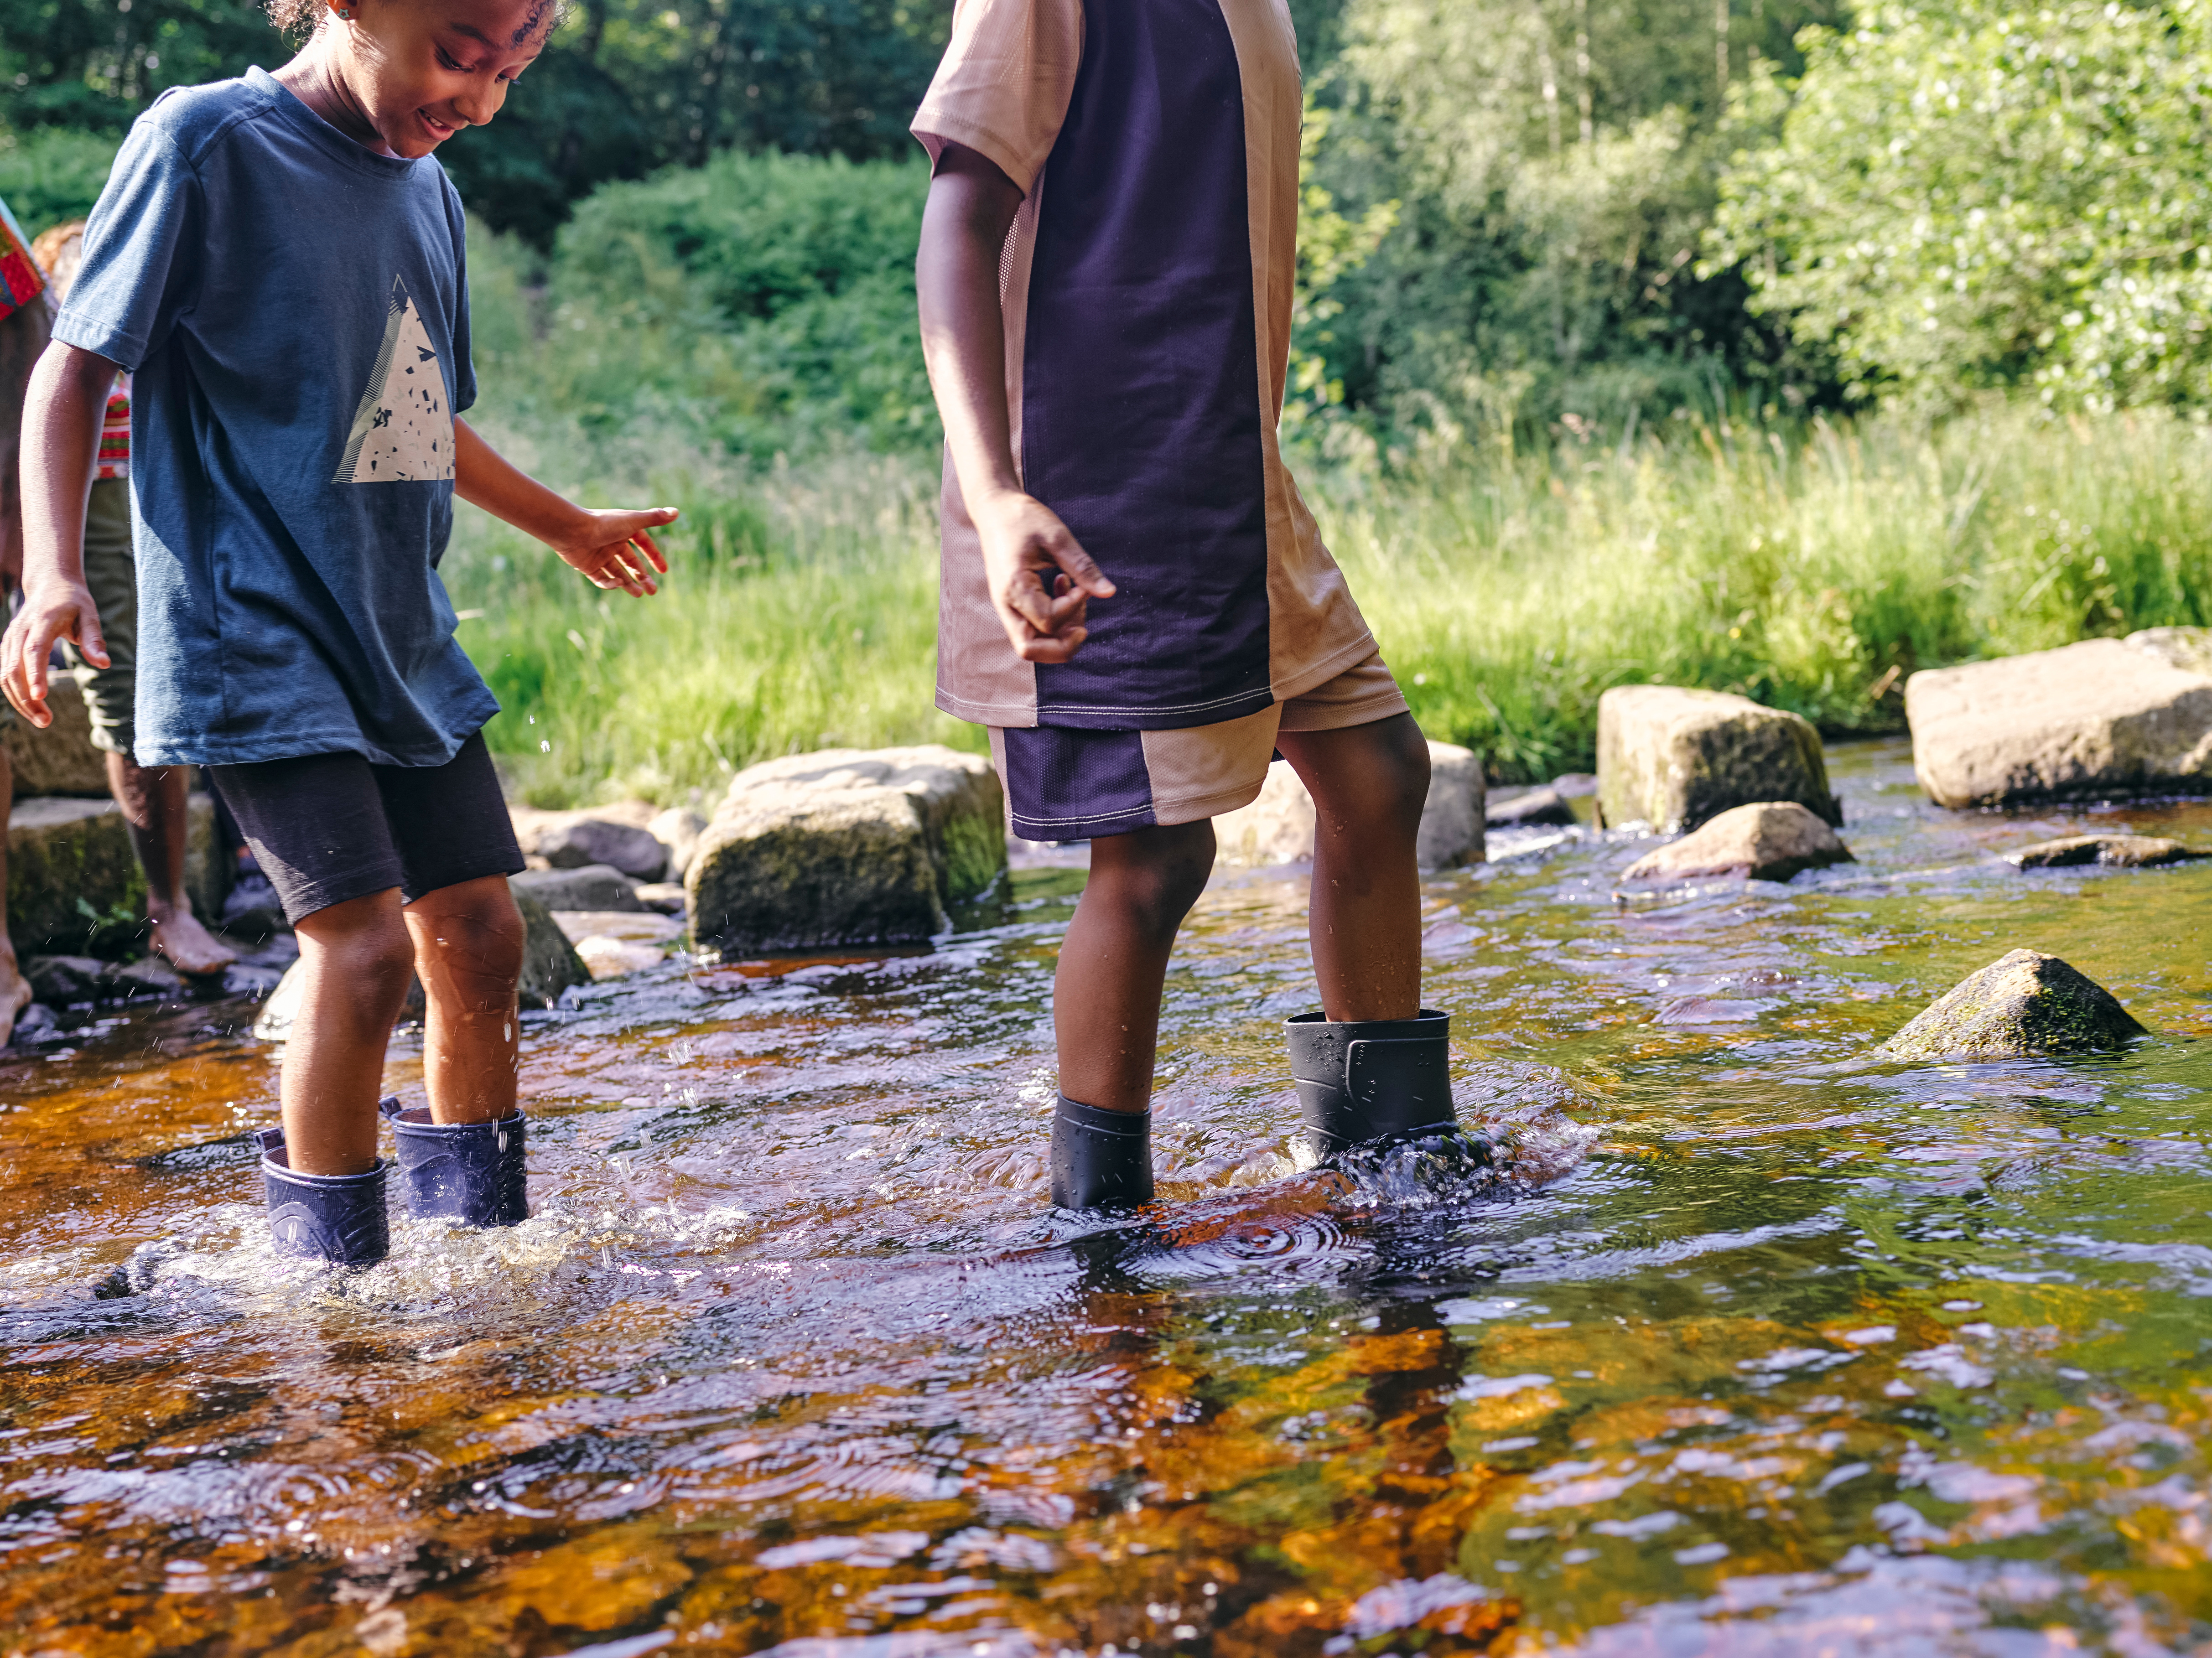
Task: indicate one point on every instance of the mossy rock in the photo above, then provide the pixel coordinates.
(2023, 1003)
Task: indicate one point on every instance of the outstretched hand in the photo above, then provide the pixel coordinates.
(50, 613)
(1040, 581)
(616, 550)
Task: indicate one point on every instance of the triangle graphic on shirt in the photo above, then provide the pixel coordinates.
(403, 431)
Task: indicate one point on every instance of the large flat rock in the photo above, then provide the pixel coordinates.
(59, 760)
(66, 855)
(1675, 757)
(1278, 828)
(846, 846)
(2105, 718)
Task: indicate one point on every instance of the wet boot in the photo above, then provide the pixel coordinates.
(337, 1217)
(1371, 1082)
(1101, 1159)
(470, 1172)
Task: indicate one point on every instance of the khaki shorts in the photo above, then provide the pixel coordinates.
(1068, 783)
(111, 692)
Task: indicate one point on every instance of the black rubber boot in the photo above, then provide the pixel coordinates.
(1101, 1159)
(338, 1217)
(1371, 1082)
(470, 1172)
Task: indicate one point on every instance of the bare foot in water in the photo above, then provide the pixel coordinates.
(14, 997)
(190, 948)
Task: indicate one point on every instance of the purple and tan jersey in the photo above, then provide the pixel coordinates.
(1146, 287)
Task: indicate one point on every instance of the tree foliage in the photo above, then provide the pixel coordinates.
(626, 88)
(1968, 195)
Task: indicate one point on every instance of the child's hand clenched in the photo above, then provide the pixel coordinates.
(1041, 580)
(615, 549)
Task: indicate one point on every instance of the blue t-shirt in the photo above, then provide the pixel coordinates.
(295, 309)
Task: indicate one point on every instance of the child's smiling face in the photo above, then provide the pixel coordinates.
(422, 69)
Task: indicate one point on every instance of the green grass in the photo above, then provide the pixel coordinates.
(1811, 570)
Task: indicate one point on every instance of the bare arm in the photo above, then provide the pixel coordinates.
(23, 335)
(61, 447)
(612, 549)
(1040, 578)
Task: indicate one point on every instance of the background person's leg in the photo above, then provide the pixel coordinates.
(15, 989)
(355, 959)
(154, 804)
(1368, 784)
(468, 952)
(1106, 995)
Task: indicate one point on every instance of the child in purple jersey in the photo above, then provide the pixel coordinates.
(280, 263)
(1135, 598)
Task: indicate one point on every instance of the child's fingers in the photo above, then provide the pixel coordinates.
(89, 644)
(652, 547)
(1069, 554)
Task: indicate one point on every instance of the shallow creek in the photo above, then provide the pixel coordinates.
(1764, 1347)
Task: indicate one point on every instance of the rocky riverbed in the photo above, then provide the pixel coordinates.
(1769, 1343)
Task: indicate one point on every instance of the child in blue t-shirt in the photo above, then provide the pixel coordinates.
(283, 267)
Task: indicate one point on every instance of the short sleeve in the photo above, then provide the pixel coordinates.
(1003, 87)
(463, 388)
(137, 268)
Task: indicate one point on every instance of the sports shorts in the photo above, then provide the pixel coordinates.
(329, 828)
(111, 692)
(1065, 784)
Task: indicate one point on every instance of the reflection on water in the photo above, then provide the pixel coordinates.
(1750, 1345)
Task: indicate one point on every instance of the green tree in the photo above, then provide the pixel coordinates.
(1971, 196)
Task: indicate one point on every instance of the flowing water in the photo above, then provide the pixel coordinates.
(1760, 1346)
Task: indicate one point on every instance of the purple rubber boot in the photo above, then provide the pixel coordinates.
(470, 1172)
(337, 1217)
(1101, 1159)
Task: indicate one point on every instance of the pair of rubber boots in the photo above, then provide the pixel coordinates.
(1361, 1083)
(470, 1172)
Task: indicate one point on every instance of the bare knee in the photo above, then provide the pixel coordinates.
(1367, 780)
(469, 940)
(1152, 875)
(362, 945)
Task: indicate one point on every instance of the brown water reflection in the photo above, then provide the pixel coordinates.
(1764, 1348)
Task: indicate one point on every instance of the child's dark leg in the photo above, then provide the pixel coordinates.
(1368, 784)
(1371, 1068)
(1106, 1008)
(354, 958)
(1106, 996)
(155, 805)
(468, 953)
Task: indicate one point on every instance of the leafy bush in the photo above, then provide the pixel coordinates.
(51, 174)
(1971, 194)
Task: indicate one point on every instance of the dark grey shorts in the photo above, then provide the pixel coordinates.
(329, 828)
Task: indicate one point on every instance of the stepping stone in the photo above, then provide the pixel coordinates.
(2113, 851)
(1674, 757)
(1770, 840)
(2099, 719)
(1278, 828)
(2023, 1003)
(845, 845)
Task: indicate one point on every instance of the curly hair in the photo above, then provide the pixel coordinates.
(298, 17)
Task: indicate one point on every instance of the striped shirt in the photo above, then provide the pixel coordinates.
(115, 432)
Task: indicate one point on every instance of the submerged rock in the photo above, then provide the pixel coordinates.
(2025, 1002)
(596, 886)
(2113, 851)
(847, 846)
(2103, 718)
(1770, 840)
(1675, 758)
(1278, 828)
